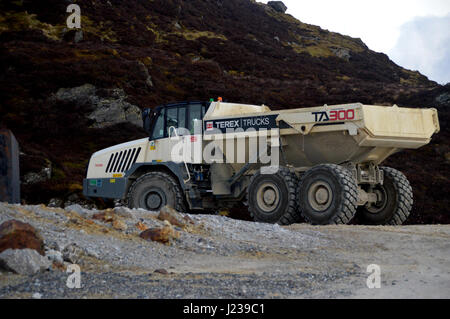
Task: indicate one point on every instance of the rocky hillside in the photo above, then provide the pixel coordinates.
(67, 93)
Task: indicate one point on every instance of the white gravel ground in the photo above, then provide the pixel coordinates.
(219, 257)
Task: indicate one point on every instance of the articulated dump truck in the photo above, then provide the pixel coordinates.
(321, 164)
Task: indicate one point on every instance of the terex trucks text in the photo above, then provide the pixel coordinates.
(324, 162)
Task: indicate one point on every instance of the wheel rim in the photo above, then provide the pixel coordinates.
(380, 205)
(154, 199)
(268, 197)
(320, 196)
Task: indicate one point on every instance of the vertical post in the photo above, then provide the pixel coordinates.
(9, 168)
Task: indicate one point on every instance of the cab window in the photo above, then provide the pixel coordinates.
(158, 130)
(180, 117)
(176, 117)
(172, 119)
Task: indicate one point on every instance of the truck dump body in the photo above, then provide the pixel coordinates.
(336, 134)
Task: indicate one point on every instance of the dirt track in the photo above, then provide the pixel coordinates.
(222, 257)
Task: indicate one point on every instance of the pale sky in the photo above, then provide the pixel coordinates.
(381, 24)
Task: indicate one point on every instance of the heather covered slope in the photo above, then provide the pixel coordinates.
(166, 50)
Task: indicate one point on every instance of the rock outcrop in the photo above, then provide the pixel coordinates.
(107, 111)
(278, 6)
(37, 177)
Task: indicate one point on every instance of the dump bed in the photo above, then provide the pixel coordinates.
(370, 124)
(331, 134)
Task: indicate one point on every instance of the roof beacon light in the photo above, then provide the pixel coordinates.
(219, 99)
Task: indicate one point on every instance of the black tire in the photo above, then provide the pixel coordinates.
(327, 194)
(283, 210)
(396, 203)
(154, 190)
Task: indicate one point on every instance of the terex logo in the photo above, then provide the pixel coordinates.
(335, 115)
(209, 126)
(228, 124)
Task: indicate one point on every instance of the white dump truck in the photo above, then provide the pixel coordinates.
(321, 163)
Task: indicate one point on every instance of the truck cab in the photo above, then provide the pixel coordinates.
(111, 172)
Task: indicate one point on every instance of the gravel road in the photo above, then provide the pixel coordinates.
(219, 257)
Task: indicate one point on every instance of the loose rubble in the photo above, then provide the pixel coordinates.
(172, 255)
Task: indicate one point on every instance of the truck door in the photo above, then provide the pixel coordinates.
(158, 139)
(181, 123)
(186, 141)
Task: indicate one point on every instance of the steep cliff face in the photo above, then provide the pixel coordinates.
(165, 50)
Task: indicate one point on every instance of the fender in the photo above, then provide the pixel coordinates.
(178, 169)
(117, 188)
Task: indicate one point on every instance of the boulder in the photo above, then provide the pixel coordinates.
(72, 253)
(23, 261)
(278, 6)
(15, 234)
(163, 234)
(109, 216)
(54, 245)
(106, 216)
(54, 256)
(173, 217)
(141, 226)
(56, 203)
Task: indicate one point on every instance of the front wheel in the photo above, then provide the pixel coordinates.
(155, 190)
(395, 200)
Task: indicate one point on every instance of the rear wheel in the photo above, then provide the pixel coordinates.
(327, 194)
(155, 190)
(395, 200)
(271, 197)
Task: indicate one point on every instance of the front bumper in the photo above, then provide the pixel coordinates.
(114, 188)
